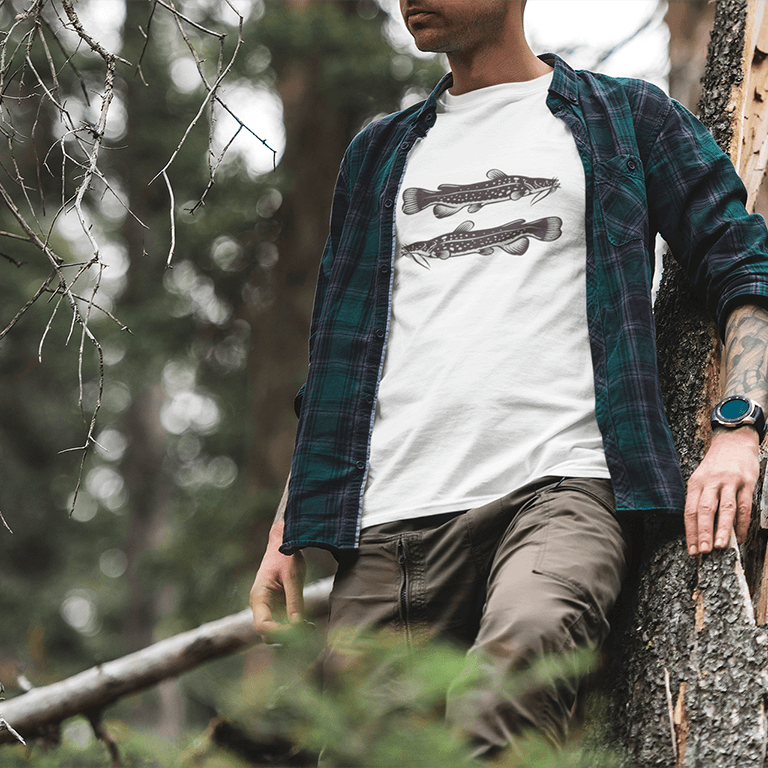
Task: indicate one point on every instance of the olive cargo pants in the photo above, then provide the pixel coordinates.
(532, 573)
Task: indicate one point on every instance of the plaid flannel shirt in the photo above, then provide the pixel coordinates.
(650, 167)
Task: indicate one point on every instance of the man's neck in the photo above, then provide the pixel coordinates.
(510, 62)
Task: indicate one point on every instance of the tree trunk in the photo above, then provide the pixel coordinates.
(690, 25)
(281, 290)
(695, 660)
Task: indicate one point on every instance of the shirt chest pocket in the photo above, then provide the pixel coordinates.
(620, 188)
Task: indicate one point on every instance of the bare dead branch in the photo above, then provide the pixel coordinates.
(145, 35)
(121, 325)
(44, 41)
(10, 258)
(14, 236)
(102, 685)
(95, 718)
(4, 726)
(7, 527)
(178, 15)
(94, 45)
(42, 289)
(173, 219)
(209, 95)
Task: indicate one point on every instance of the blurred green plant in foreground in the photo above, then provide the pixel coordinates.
(382, 706)
(385, 703)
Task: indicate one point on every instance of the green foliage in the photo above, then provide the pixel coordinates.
(80, 749)
(382, 704)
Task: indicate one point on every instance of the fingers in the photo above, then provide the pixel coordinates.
(726, 514)
(279, 582)
(692, 519)
(720, 492)
(294, 592)
(261, 604)
(743, 513)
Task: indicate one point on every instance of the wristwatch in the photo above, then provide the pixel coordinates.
(736, 411)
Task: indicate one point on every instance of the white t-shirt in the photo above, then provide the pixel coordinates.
(487, 381)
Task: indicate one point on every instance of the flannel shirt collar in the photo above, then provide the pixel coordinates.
(565, 83)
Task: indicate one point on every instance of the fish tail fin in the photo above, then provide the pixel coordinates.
(415, 200)
(547, 229)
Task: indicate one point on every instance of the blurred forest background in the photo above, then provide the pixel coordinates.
(194, 430)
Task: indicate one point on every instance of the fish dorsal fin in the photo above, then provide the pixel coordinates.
(495, 173)
(446, 187)
(515, 223)
(465, 226)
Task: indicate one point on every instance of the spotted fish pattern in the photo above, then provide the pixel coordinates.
(514, 238)
(451, 198)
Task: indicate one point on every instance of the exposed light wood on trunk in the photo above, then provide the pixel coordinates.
(694, 619)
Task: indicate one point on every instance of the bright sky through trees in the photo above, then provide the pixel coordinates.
(583, 30)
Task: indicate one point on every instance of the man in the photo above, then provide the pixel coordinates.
(482, 404)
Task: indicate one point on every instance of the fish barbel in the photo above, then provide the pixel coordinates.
(451, 198)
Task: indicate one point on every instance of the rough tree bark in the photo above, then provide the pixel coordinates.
(694, 675)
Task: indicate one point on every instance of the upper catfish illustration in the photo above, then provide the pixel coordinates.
(451, 198)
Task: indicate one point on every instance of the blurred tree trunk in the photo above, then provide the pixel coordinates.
(146, 480)
(690, 24)
(695, 658)
(281, 293)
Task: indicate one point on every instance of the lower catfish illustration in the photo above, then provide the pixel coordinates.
(514, 238)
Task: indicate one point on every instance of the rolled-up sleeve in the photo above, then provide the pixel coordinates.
(696, 201)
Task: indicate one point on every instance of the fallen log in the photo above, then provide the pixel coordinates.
(104, 684)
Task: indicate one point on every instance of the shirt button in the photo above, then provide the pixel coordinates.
(430, 117)
(388, 203)
(631, 164)
(360, 464)
(406, 146)
(378, 333)
(369, 399)
(384, 269)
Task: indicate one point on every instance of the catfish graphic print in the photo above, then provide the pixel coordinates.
(451, 198)
(513, 237)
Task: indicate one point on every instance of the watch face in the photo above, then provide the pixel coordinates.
(734, 409)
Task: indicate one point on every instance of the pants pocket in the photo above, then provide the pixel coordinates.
(583, 544)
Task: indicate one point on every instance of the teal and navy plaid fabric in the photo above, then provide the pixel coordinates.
(650, 166)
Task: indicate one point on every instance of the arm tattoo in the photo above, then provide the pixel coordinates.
(746, 353)
(280, 514)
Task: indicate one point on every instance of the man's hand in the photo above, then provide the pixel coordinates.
(279, 581)
(721, 490)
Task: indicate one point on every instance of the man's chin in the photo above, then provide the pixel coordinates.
(429, 43)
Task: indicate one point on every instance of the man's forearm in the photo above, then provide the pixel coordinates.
(746, 354)
(720, 490)
(280, 514)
